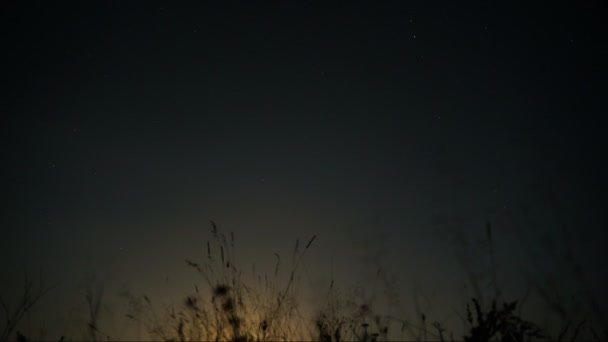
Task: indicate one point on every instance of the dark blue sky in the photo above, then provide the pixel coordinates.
(383, 129)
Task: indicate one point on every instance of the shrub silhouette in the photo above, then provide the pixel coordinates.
(499, 324)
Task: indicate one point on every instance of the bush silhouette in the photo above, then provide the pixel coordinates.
(499, 324)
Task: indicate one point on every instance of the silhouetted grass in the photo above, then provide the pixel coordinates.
(30, 296)
(224, 307)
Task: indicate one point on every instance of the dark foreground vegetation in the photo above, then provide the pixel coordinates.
(227, 308)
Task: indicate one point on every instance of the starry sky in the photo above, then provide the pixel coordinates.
(392, 131)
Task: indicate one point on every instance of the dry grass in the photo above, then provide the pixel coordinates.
(30, 296)
(224, 307)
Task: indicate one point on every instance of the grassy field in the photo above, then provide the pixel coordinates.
(225, 307)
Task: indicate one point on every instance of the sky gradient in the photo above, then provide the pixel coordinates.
(390, 131)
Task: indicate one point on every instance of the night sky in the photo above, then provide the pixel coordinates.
(393, 132)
